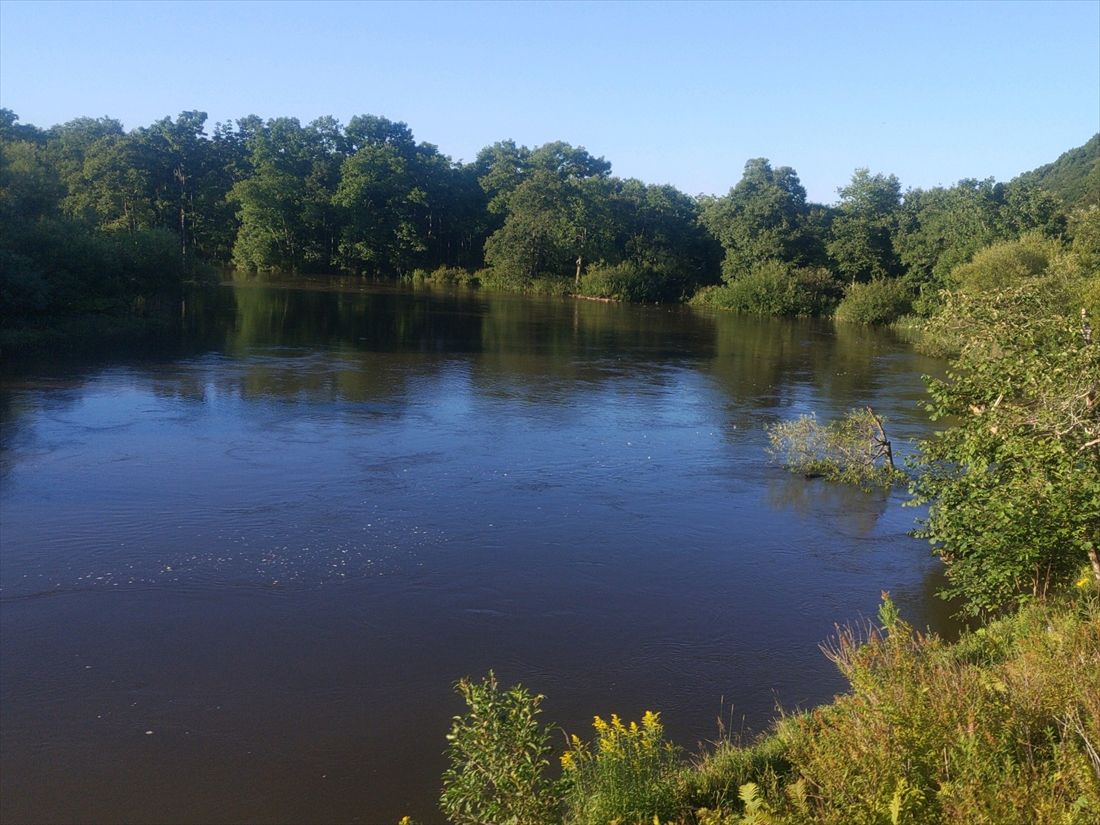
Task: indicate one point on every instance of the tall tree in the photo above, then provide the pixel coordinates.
(764, 217)
(861, 238)
(555, 200)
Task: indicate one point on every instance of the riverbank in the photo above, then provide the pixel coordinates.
(1001, 726)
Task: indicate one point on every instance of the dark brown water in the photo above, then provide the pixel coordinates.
(239, 577)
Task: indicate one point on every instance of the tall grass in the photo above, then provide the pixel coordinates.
(999, 728)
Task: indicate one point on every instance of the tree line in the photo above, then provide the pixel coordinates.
(93, 216)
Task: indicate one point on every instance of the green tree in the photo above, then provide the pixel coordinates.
(284, 202)
(379, 196)
(556, 208)
(764, 217)
(861, 242)
(656, 228)
(1013, 484)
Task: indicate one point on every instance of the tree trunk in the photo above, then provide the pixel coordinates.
(577, 280)
(1095, 562)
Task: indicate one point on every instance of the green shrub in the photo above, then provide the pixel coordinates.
(853, 449)
(627, 774)
(1004, 264)
(1013, 486)
(24, 290)
(498, 754)
(502, 281)
(627, 281)
(445, 276)
(1000, 727)
(876, 302)
(774, 288)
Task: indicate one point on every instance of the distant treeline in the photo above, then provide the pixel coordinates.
(94, 218)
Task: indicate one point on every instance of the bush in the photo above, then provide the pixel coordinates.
(774, 288)
(876, 302)
(628, 774)
(502, 281)
(498, 755)
(1004, 264)
(853, 449)
(1013, 487)
(1001, 727)
(627, 281)
(24, 290)
(444, 276)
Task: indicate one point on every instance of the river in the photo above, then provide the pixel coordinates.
(241, 570)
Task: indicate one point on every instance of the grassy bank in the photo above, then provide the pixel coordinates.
(1002, 726)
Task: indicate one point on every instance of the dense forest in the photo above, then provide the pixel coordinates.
(95, 219)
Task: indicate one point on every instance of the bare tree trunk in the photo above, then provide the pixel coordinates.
(577, 280)
(1095, 562)
(883, 442)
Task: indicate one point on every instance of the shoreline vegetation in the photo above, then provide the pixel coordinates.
(99, 221)
(998, 728)
(102, 229)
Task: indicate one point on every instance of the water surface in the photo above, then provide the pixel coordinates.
(239, 574)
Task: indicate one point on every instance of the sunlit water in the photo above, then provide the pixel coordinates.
(240, 577)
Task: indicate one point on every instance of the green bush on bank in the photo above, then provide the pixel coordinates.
(628, 281)
(60, 268)
(500, 280)
(876, 302)
(444, 276)
(775, 288)
(1013, 486)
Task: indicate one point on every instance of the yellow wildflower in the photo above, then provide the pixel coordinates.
(1083, 581)
(567, 761)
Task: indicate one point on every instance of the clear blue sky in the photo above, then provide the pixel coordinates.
(681, 93)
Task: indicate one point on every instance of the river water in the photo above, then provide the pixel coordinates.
(241, 570)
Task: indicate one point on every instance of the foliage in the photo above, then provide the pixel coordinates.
(555, 204)
(367, 198)
(627, 774)
(1074, 176)
(1004, 264)
(506, 281)
(764, 217)
(941, 228)
(444, 276)
(853, 449)
(971, 733)
(1013, 487)
(775, 288)
(1001, 727)
(626, 281)
(498, 754)
(876, 302)
(862, 233)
